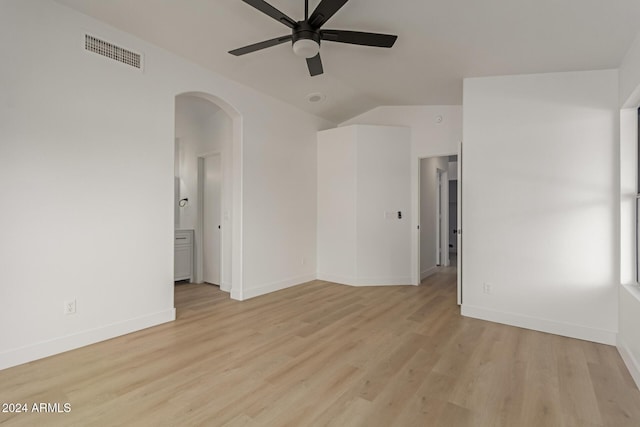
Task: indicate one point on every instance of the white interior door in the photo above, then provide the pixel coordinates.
(211, 247)
(444, 218)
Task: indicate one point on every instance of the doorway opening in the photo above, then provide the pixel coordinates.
(439, 240)
(208, 188)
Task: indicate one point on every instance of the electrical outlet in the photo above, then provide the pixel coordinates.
(486, 288)
(70, 306)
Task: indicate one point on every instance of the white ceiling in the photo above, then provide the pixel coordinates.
(439, 43)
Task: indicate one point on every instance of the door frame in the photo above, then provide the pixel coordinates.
(442, 218)
(415, 244)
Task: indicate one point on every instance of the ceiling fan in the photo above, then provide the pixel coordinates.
(306, 35)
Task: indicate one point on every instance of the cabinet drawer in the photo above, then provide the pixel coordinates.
(183, 238)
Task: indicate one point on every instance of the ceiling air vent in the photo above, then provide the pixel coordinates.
(112, 51)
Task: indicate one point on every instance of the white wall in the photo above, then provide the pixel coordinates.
(87, 166)
(280, 205)
(540, 204)
(629, 84)
(337, 189)
(429, 212)
(363, 181)
(436, 130)
(629, 311)
(383, 243)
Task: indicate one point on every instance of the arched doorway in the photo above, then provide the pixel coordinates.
(208, 128)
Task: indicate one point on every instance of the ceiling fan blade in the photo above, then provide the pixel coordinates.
(258, 46)
(357, 37)
(325, 10)
(315, 65)
(267, 9)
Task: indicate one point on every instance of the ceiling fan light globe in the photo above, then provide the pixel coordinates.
(306, 48)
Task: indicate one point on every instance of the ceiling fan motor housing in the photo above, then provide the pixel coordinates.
(306, 40)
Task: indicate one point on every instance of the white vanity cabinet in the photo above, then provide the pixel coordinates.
(183, 255)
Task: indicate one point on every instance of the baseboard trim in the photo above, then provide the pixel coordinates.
(69, 342)
(366, 281)
(343, 280)
(426, 273)
(236, 294)
(383, 281)
(543, 325)
(226, 287)
(629, 360)
(273, 287)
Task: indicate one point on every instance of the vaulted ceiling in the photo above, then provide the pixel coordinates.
(439, 43)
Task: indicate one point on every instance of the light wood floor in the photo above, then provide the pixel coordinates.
(324, 354)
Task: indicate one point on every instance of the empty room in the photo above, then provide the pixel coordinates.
(320, 212)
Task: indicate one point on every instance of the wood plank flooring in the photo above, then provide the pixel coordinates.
(322, 354)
